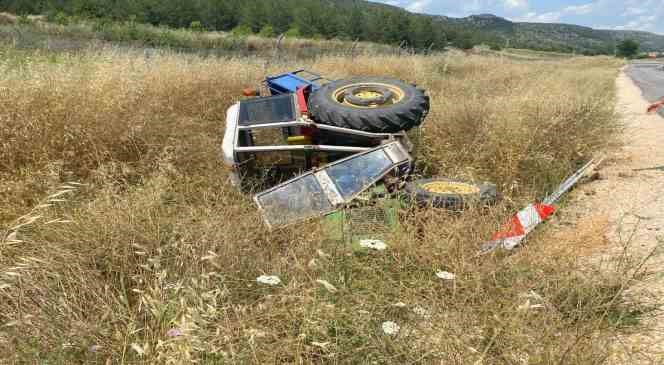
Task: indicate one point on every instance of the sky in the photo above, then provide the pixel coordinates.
(647, 15)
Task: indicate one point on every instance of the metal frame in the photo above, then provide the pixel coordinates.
(291, 148)
(304, 121)
(395, 151)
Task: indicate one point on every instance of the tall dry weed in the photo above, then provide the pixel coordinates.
(158, 260)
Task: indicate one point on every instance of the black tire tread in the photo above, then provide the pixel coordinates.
(402, 116)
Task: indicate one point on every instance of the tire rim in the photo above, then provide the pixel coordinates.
(368, 95)
(450, 187)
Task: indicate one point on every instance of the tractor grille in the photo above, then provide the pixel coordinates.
(369, 220)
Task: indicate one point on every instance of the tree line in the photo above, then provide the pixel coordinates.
(340, 19)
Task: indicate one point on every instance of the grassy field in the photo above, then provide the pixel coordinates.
(527, 55)
(121, 240)
(34, 33)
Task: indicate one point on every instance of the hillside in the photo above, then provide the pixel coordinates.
(341, 19)
(555, 36)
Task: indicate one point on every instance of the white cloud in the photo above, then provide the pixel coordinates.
(644, 22)
(533, 17)
(556, 16)
(516, 4)
(580, 9)
(473, 6)
(635, 11)
(418, 6)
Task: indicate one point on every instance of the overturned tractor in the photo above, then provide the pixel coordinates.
(311, 146)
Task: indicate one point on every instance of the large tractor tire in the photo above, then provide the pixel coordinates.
(370, 104)
(450, 194)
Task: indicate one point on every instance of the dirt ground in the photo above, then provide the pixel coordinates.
(627, 204)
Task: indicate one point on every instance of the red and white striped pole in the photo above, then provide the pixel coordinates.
(521, 225)
(526, 220)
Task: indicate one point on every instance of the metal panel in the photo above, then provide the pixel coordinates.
(339, 183)
(287, 83)
(268, 110)
(330, 189)
(230, 136)
(397, 153)
(290, 82)
(294, 201)
(354, 175)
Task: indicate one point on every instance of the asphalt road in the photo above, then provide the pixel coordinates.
(649, 77)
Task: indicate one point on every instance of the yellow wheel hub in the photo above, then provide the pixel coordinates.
(397, 95)
(450, 187)
(368, 95)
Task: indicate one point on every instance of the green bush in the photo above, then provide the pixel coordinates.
(61, 18)
(293, 33)
(23, 19)
(196, 26)
(628, 48)
(242, 30)
(267, 31)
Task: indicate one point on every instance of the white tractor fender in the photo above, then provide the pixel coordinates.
(228, 144)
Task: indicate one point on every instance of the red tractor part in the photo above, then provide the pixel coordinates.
(302, 97)
(250, 92)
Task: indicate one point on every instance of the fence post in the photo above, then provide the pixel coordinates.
(276, 53)
(352, 48)
(401, 45)
(430, 48)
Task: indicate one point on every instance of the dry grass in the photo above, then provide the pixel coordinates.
(157, 239)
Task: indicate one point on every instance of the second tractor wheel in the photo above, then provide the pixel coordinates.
(370, 104)
(450, 194)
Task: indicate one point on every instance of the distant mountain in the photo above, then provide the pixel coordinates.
(554, 36)
(542, 36)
